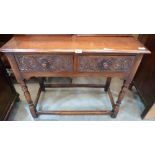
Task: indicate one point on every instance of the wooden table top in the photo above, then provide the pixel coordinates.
(70, 43)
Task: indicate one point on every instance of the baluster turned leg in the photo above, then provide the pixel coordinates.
(120, 98)
(107, 85)
(41, 83)
(28, 98)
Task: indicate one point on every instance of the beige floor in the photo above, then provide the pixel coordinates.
(80, 99)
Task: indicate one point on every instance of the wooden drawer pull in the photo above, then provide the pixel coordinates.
(105, 65)
(45, 65)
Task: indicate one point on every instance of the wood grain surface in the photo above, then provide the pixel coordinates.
(69, 43)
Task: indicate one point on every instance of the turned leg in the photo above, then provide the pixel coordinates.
(120, 98)
(28, 98)
(107, 85)
(126, 85)
(41, 83)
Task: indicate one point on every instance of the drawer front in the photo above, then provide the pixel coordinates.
(104, 63)
(39, 63)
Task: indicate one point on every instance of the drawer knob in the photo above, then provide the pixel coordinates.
(105, 65)
(44, 65)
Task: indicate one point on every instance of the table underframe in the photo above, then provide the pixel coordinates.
(106, 87)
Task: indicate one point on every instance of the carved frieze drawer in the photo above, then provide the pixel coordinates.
(104, 63)
(38, 63)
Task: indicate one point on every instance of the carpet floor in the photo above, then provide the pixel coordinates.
(78, 99)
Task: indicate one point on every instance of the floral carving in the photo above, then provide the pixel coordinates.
(105, 63)
(54, 63)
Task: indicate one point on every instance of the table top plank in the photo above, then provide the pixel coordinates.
(70, 43)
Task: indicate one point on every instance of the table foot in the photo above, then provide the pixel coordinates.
(115, 111)
(33, 111)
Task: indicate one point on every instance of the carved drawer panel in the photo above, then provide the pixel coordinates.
(38, 63)
(104, 63)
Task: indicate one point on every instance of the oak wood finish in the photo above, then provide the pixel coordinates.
(43, 63)
(69, 43)
(83, 112)
(104, 63)
(74, 56)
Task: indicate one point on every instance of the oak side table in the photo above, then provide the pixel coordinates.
(74, 56)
